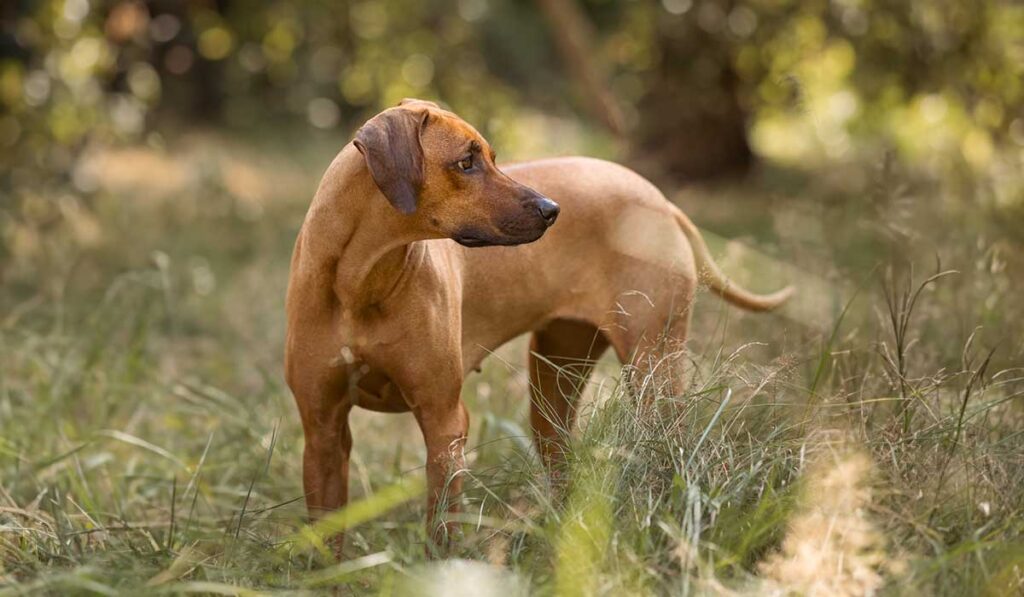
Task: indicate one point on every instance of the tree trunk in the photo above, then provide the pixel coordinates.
(573, 34)
(692, 125)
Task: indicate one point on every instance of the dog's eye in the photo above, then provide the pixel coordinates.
(466, 163)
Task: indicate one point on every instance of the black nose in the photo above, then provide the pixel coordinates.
(548, 210)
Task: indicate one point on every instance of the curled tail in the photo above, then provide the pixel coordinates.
(709, 273)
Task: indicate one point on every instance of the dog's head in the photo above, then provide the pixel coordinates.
(439, 171)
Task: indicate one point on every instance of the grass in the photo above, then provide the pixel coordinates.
(867, 439)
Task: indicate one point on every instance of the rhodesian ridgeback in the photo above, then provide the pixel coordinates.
(419, 256)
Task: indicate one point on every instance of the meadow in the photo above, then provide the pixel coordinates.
(866, 439)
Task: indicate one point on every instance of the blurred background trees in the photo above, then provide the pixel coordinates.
(685, 89)
(681, 90)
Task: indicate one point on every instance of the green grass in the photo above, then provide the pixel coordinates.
(148, 443)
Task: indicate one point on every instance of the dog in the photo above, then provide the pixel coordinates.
(419, 256)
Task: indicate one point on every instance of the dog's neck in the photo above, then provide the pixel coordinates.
(352, 226)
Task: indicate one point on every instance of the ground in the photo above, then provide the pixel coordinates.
(865, 438)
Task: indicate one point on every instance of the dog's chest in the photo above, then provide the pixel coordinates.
(373, 390)
(365, 343)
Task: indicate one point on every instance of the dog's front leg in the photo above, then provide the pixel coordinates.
(324, 409)
(445, 424)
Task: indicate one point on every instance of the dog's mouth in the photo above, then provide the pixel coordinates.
(475, 239)
(468, 240)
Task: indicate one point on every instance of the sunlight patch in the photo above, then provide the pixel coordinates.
(831, 547)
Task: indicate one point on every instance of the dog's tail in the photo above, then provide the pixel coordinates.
(709, 273)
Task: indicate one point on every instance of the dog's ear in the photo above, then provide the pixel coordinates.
(390, 143)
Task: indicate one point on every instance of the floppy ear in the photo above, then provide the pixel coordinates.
(390, 143)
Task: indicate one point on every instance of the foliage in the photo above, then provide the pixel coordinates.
(74, 70)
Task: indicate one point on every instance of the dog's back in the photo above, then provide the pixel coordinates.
(617, 242)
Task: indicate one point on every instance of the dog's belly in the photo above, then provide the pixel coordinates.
(375, 391)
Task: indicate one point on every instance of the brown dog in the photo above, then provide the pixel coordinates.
(386, 313)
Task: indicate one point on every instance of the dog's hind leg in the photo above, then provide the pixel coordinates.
(562, 355)
(649, 337)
